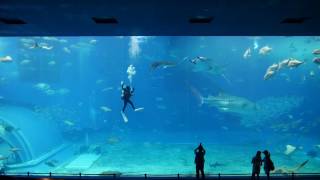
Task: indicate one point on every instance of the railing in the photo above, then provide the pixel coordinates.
(146, 176)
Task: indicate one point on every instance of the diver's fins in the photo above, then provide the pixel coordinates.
(124, 117)
(139, 109)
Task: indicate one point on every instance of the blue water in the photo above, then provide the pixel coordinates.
(66, 90)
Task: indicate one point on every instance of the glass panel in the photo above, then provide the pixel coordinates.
(61, 102)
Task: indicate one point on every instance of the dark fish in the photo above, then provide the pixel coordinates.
(54, 161)
(316, 60)
(117, 173)
(216, 164)
(83, 149)
(36, 45)
(3, 157)
(316, 52)
(97, 150)
(163, 64)
(50, 164)
(10, 128)
(312, 153)
(198, 59)
(301, 165)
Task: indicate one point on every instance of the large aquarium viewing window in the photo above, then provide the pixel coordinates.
(62, 103)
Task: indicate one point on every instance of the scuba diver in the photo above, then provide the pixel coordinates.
(126, 94)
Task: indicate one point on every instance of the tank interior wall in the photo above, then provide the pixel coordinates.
(39, 135)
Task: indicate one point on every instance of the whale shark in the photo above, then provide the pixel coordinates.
(226, 103)
(250, 113)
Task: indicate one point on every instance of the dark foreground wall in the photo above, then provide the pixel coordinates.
(159, 17)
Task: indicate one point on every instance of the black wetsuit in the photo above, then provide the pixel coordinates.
(126, 95)
(199, 161)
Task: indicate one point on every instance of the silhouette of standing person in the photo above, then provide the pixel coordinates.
(199, 160)
(267, 163)
(256, 165)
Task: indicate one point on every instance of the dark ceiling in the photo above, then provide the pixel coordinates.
(159, 17)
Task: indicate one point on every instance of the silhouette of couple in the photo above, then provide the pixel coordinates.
(257, 163)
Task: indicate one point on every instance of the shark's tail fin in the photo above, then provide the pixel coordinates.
(197, 94)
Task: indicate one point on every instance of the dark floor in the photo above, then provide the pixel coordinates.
(309, 177)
